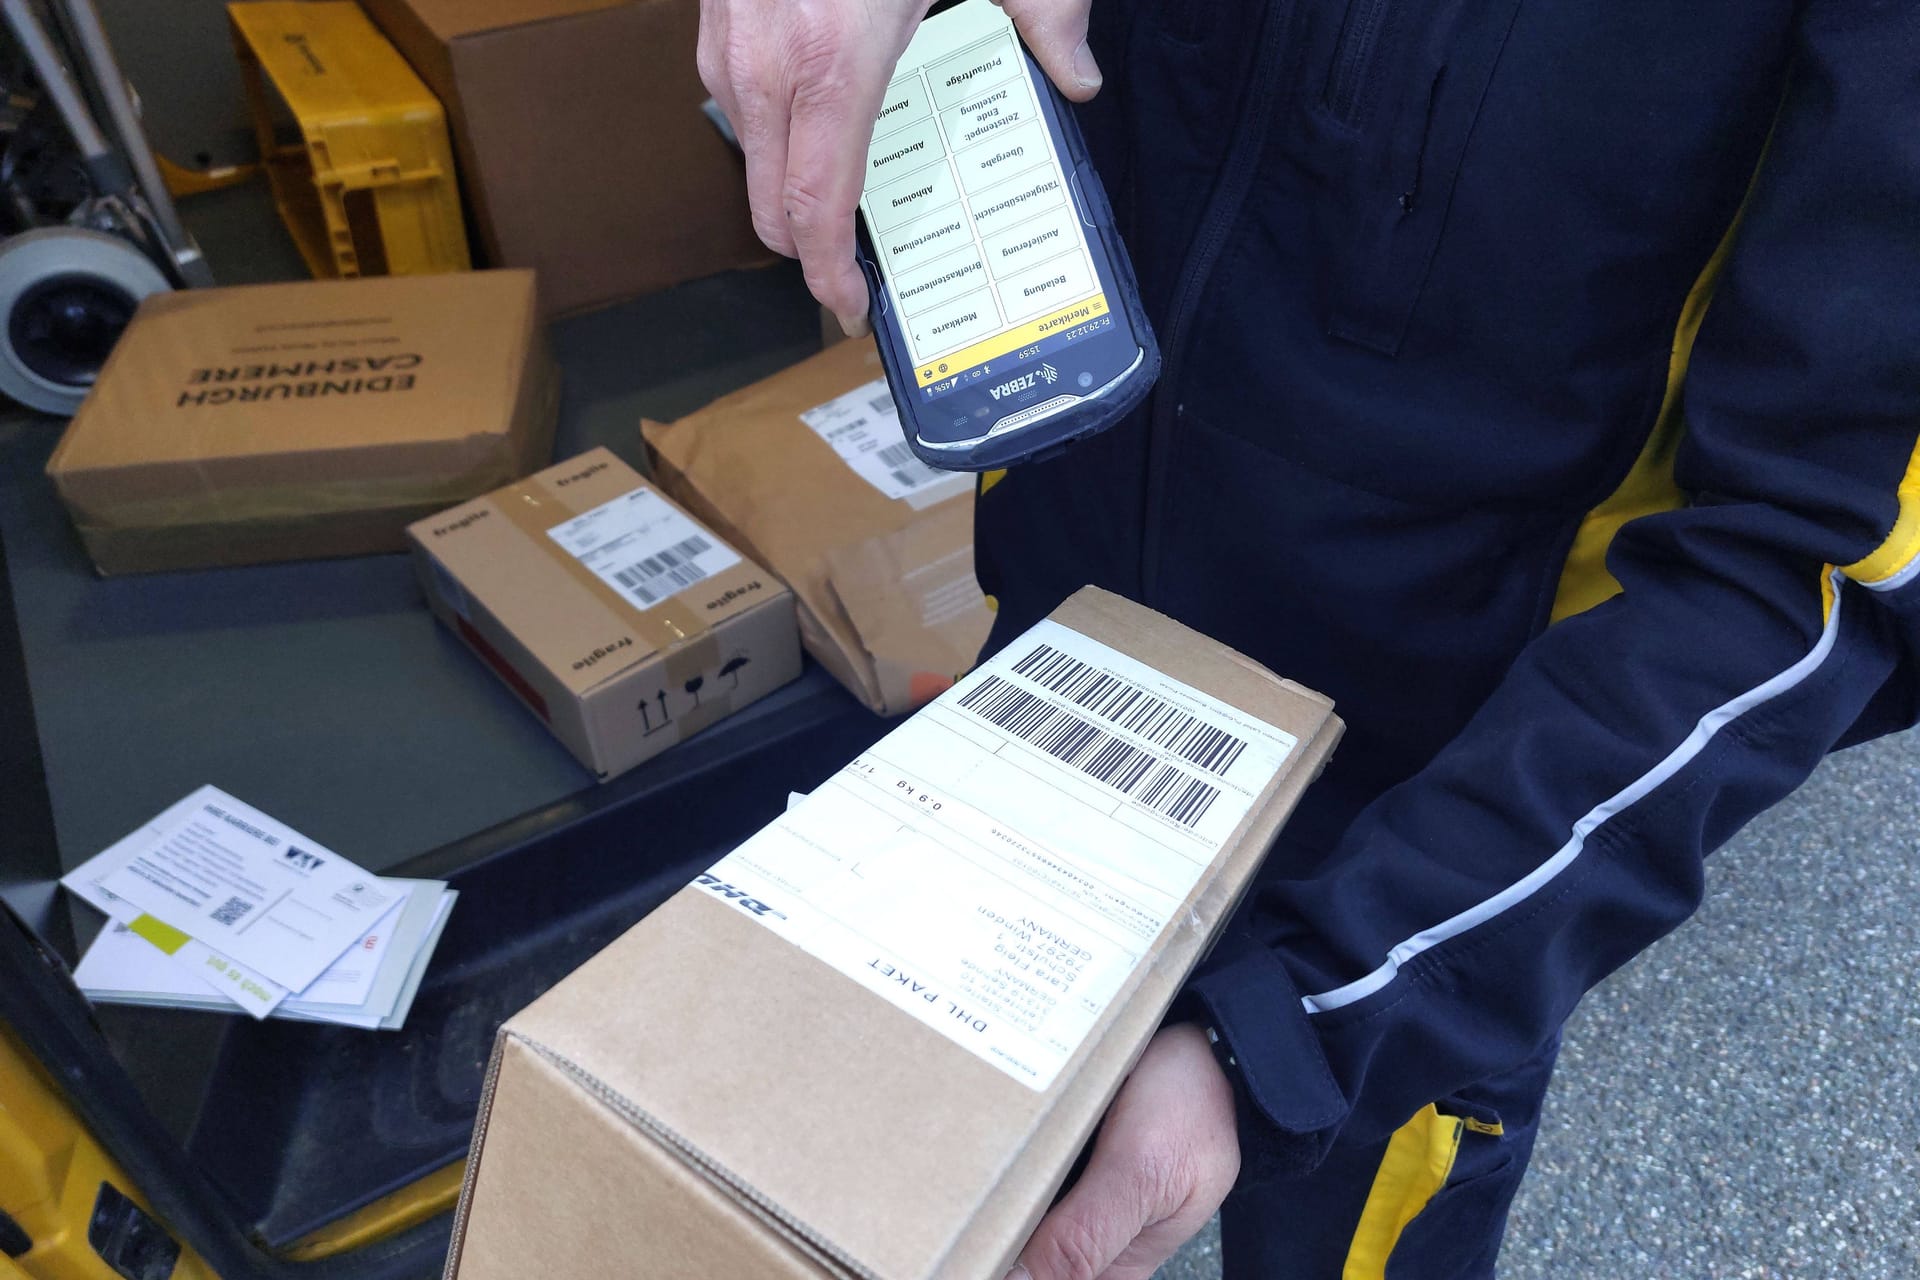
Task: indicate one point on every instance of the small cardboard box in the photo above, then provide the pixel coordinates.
(807, 472)
(295, 421)
(871, 1041)
(582, 146)
(616, 618)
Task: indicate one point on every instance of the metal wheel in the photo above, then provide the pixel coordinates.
(66, 295)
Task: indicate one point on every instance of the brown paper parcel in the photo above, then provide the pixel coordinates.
(712, 1096)
(887, 596)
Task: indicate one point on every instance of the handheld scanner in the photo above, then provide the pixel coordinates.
(1003, 303)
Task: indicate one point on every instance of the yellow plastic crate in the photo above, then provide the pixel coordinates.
(355, 145)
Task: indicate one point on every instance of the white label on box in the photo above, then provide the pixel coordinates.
(864, 429)
(253, 889)
(643, 547)
(999, 865)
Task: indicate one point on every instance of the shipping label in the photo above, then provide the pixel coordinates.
(998, 866)
(863, 426)
(643, 547)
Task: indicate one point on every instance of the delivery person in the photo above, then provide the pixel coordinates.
(1543, 383)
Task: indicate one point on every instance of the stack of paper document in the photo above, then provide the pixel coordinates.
(214, 905)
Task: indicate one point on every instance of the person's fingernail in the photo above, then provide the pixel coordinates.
(1019, 1272)
(854, 326)
(1085, 69)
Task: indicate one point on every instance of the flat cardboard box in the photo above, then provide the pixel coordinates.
(617, 619)
(581, 144)
(888, 599)
(735, 1089)
(296, 421)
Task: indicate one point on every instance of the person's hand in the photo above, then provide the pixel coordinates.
(1166, 1157)
(801, 82)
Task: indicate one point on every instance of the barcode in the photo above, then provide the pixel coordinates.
(1181, 797)
(884, 405)
(908, 471)
(230, 914)
(1063, 735)
(1118, 702)
(665, 572)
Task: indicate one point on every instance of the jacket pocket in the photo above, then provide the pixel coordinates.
(1457, 1224)
(1455, 1227)
(1351, 72)
(1405, 83)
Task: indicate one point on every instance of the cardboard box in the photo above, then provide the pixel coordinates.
(616, 618)
(581, 143)
(879, 550)
(871, 1041)
(293, 421)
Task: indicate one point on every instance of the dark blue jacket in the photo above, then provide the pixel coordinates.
(1422, 272)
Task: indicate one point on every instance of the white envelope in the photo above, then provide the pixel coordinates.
(251, 888)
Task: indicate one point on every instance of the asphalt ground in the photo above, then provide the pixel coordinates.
(1742, 1102)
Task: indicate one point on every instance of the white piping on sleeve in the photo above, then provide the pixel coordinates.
(1635, 791)
(1898, 578)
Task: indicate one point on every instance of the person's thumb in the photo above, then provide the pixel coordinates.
(1092, 1226)
(1056, 31)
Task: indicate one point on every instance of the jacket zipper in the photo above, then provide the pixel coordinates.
(1222, 211)
(1359, 37)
